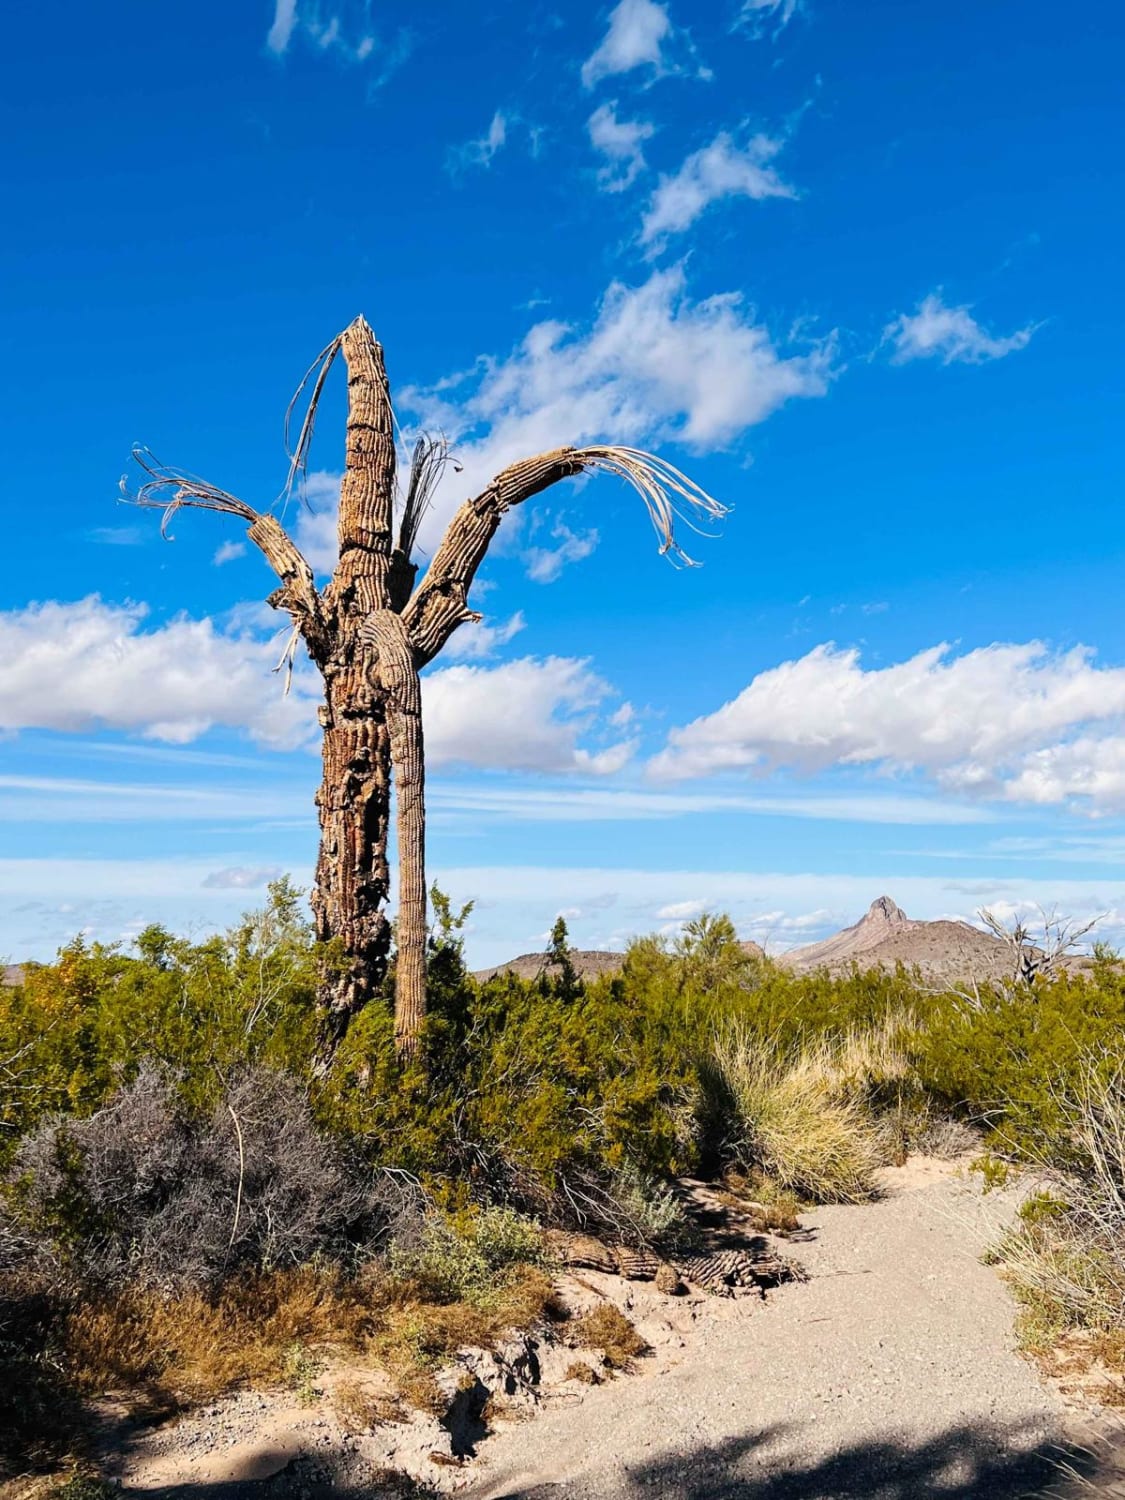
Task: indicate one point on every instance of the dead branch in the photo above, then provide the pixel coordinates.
(169, 490)
(1043, 955)
(440, 603)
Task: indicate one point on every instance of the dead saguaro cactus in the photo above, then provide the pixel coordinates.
(370, 631)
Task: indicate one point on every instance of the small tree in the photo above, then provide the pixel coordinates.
(370, 632)
(559, 960)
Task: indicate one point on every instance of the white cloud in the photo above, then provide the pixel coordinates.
(473, 642)
(621, 142)
(544, 564)
(719, 170)
(756, 15)
(655, 367)
(1009, 721)
(479, 153)
(120, 536)
(69, 800)
(284, 22)
(242, 877)
(552, 804)
(345, 34)
(314, 529)
(524, 715)
(91, 665)
(638, 30)
(680, 911)
(950, 334)
(227, 551)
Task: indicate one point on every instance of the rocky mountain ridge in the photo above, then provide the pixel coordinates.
(943, 951)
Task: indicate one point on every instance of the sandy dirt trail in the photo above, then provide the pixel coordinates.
(891, 1374)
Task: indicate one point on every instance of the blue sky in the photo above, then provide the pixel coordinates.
(855, 268)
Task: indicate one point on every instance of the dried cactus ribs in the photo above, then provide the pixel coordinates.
(723, 1272)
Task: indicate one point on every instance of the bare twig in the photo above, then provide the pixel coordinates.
(241, 1174)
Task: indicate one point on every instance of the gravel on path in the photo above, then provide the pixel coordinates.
(892, 1374)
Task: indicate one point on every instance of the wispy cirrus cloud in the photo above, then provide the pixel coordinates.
(757, 16)
(937, 331)
(480, 151)
(227, 551)
(283, 26)
(721, 169)
(242, 877)
(344, 32)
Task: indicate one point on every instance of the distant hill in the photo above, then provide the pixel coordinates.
(11, 974)
(942, 951)
(588, 964)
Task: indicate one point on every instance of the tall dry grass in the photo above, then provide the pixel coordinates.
(1066, 1258)
(809, 1120)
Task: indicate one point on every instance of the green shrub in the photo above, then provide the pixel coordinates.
(458, 1257)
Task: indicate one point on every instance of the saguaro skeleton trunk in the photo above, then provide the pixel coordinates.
(370, 632)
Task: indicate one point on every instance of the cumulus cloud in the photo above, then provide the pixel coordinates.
(90, 665)
(637, 34)
(621, 142)
(526, 715)
(314, 528)
(655, 367)
(719, 170)
(950, 334)
(1016, 722)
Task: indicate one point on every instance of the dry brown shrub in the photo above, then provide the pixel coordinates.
(195, 1346)
(607, 1329)
(363, 1407)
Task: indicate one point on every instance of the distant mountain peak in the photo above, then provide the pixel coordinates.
(885, 911)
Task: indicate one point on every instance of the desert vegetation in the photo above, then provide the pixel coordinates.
(190, 1201)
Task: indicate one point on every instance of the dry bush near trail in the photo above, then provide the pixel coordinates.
(606, 1329)
(140, 1194)
(804, 1120)
(1066, 1258)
